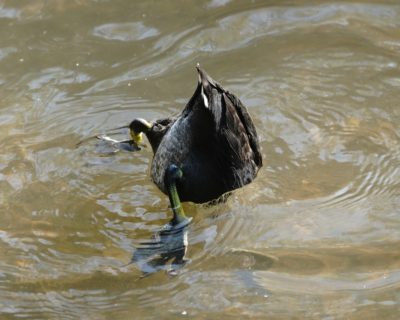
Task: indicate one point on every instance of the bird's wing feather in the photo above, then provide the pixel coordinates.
(247, 123)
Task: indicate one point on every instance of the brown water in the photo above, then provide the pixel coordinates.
(316, 236)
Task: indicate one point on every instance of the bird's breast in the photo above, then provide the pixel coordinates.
(173, 149)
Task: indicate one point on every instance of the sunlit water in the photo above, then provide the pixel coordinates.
(316, 235)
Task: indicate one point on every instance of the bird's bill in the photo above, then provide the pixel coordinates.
(136, 137)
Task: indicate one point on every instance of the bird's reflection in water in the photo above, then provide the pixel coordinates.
(107, 145)
(166, 250)
(170, 243)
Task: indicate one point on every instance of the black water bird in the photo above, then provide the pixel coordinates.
(169, 244)
(213, 140)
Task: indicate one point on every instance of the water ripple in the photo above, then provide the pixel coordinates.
(318, 227)
(129, 31)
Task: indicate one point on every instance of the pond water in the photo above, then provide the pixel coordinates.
(315, 236)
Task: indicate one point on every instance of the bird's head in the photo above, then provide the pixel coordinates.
(137, 127)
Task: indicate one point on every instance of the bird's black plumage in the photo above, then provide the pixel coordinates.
(214, 141)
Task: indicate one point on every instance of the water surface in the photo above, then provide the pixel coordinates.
(315, 236)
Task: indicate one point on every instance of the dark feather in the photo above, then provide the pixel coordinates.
(214, 141)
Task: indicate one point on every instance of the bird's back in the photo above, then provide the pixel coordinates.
(215, 143)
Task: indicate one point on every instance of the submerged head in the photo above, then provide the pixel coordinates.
(137, 127)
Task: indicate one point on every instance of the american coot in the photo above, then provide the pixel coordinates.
(213, 141)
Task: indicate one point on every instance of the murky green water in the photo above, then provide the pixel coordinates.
(316, 236)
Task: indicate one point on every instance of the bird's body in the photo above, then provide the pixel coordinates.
(213, 141)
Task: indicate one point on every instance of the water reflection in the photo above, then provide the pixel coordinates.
(106, 145)
(167, 245)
